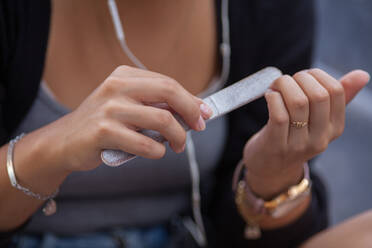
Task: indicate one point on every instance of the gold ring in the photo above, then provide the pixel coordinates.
(299, 124)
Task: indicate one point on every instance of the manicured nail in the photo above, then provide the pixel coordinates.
(201, 124)
(206, 111)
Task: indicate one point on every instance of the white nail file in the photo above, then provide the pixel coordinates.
(221, 102)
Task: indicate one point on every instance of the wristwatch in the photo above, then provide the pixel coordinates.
(253, 208)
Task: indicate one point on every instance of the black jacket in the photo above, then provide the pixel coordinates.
(262, 32)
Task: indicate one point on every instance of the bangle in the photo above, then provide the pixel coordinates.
(253, 208)
(50, 206)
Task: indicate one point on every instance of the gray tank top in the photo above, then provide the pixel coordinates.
(142, 192)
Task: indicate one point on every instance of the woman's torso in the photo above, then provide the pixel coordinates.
(143, 192)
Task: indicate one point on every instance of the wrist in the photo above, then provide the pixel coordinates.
(267, 209)
(54, 145)
(37, 163)
(269, 185)
(50, 150)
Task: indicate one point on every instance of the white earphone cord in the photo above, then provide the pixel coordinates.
(121, 35)
(196, 230)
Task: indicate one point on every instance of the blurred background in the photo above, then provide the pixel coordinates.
(344, 42)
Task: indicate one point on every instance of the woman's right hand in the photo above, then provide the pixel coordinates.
(110, 117)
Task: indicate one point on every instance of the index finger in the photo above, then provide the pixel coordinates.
(164, 90)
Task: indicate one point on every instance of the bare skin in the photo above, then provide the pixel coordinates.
(84, 55)
(309, 95)
(354, 232)
(175, 38)
(110, 103)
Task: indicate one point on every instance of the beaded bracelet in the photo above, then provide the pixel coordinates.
(50, 207)
(253, 208)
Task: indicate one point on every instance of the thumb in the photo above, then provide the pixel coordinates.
(353, 82)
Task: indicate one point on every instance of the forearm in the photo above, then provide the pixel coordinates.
(38, 165)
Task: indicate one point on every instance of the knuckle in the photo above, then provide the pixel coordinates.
(281, 80)
(316, 71)
(320, 146)
(103, 129)
(165, 118)
(280, 119)
(111, 107)
(149, 148)
(111, 84)
(170, 85)
(321, 96)
(300, 102)
(336, 89)
(122, 68)
(298, 75)
(286, 77)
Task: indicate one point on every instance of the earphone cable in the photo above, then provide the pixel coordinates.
(196, 229)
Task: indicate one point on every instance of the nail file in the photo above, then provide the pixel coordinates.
(221, 102)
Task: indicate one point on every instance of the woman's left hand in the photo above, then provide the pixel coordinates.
(275, 155)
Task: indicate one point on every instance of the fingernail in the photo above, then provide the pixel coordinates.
(183, 147)
(201, 124)
(206, 111)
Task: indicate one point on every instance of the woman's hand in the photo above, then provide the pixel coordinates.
(111, 116)
(108, 118)
(275, 155)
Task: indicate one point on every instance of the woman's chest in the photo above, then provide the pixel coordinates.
(80, 55)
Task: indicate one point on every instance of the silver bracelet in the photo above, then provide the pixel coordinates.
(50, 206)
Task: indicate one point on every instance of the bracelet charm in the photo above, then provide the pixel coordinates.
(252, 229)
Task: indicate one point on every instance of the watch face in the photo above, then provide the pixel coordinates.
(287, 206)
